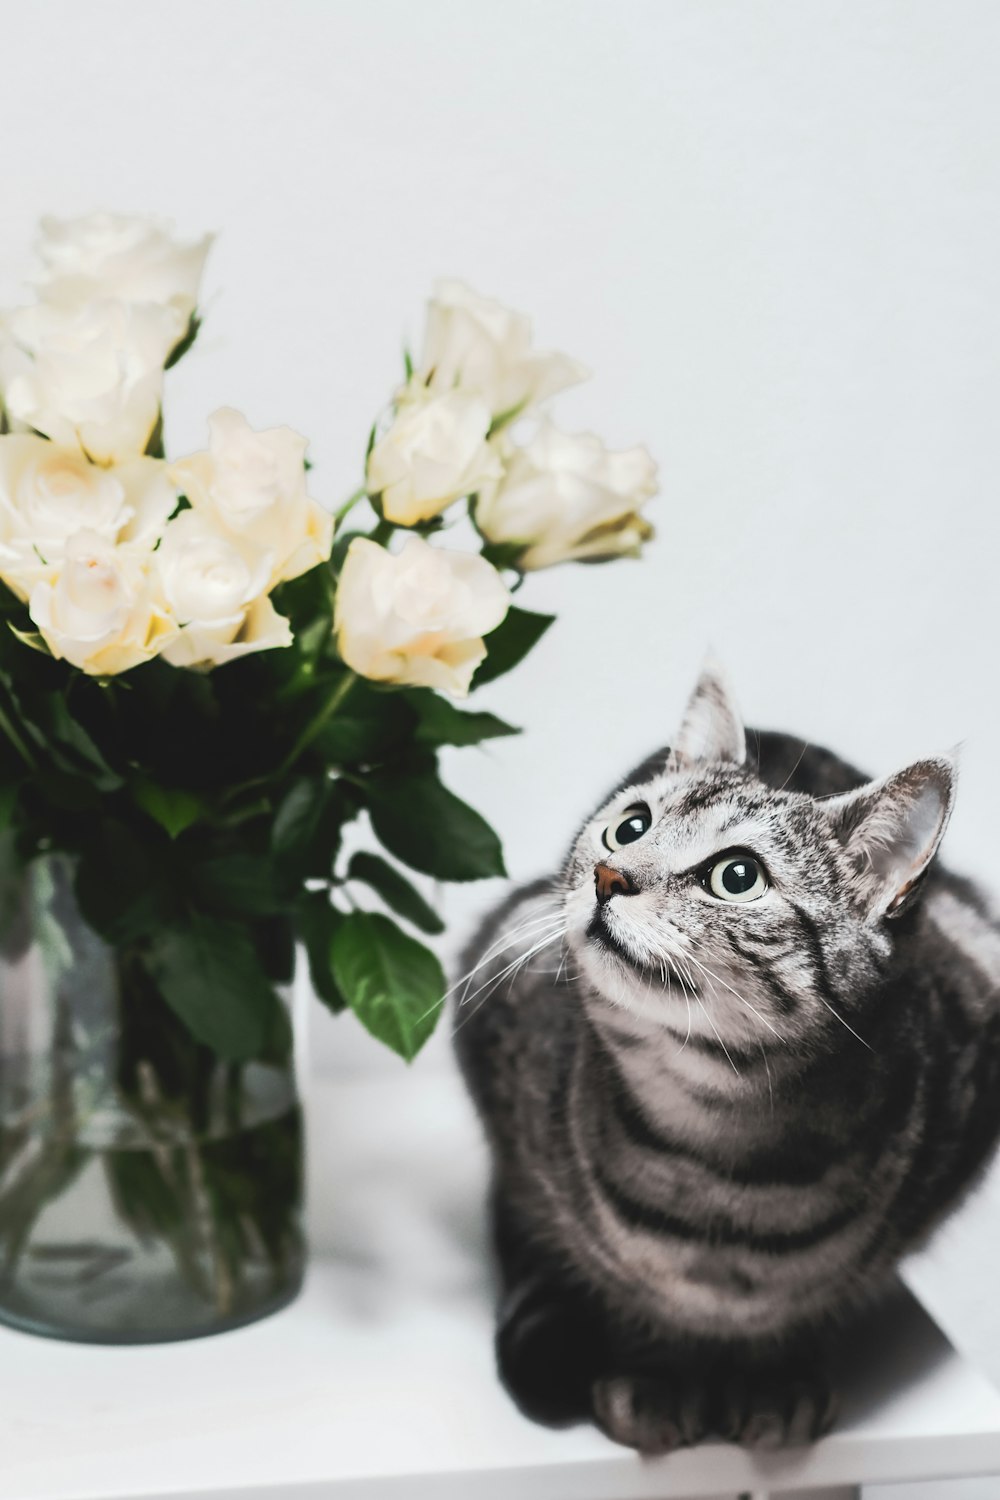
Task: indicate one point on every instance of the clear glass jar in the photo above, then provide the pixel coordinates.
(148, 1191)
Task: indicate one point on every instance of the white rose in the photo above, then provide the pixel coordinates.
(483, 346)
(98, 609)
(130, 259)
(13, 362)
(48, 493)
(254, 485)
(417, 616)
(565, 496)
(434, 452)
(94, 375)
(215, 587)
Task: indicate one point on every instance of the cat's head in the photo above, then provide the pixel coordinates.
(699, 896)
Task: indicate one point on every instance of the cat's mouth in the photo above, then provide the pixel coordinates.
(661, 971)
(600, 933)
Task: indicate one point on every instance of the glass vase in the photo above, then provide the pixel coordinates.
(148, 1190)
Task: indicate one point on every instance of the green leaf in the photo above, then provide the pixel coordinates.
(12, 877)
(306, 832)
(510, 642)
(317, 923)
(395, 890)
(342, 545)
(307, 604)
(172, 808)
(394, 985)
(9, 793)
(368, 727)
(120, 886)
(298, 817)
(278, 1045)
(441, 723)
(237, 885)
(504, 554)
(71, 744)
(187, 339)
(506, 417)
(154, 445)
(274, 944)
(208, 972)
(30, 638)
(73, 794)
(431, 829)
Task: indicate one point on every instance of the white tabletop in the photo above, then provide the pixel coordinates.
(378, 1383)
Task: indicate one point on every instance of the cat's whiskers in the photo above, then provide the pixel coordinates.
(722, 1044)
(687, 1034)
(505, 940)
(491, 988)
(805, 746)
(677, 960)
(667, 981)
(717, 979)
(767, 1070)
(837, 1016)
(647, 997)
(682, 962)
(648, 934)
(491, 984)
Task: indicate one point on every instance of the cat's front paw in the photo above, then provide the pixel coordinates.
(759, 1409)
(781, 1409)
(548, 1348)
(651, 1413)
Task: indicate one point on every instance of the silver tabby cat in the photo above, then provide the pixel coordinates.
(733, 1062)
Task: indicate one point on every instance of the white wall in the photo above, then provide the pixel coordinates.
(771, 229)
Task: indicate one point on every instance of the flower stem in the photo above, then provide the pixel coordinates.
(19, 745)
(348, 505)
(316, 723)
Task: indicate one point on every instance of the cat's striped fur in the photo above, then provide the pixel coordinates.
(716, 1127)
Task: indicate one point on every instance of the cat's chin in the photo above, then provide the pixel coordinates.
(656, 994)
(602, 937)
(605, 941)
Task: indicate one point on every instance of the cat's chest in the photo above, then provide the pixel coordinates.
(705, 1241)
(712, 1263)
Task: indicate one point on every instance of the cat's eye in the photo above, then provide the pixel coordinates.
(737, 876)
(627, 827)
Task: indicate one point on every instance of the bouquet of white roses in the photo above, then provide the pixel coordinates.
(205, 676)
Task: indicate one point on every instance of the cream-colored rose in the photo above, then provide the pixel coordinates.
(94, 374)
(13, 362)
(254, 485)
(434, 453)
(215, 587)
(565, 496)
(417, 616)
(98, 608)
(48, 493)
(120, 256)
(482, 346)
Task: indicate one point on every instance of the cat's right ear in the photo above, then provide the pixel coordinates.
(891, 830)
(712, 730)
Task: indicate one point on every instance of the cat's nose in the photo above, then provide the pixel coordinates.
(609, 882)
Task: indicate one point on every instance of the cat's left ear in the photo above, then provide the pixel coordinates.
(712, 730)
(891, 830)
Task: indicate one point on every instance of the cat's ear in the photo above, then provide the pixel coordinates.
(712, 730)
(891, 830)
